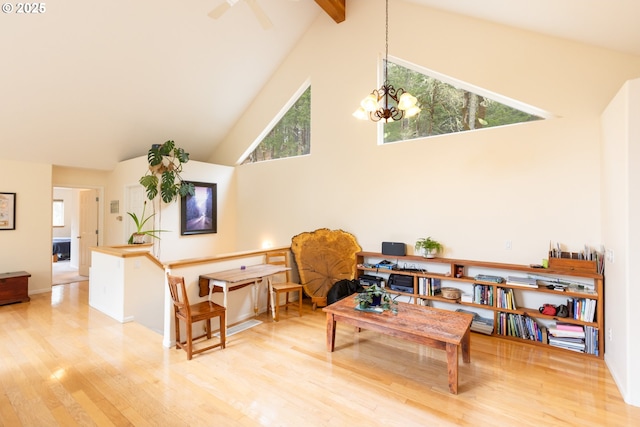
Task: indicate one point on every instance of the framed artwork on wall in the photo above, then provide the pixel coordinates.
(199, 212)
(7, 211)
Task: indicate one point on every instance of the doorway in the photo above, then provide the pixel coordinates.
(75, 230)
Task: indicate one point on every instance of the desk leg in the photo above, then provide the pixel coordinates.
(452, 367)
(271, 296)
(256, 295)
(331, 332)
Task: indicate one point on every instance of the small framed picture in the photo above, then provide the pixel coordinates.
(199, 212)
(7, 211)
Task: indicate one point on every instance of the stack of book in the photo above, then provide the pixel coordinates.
(483, 294)
(479, 324)
(517, 325)
(591, 340)
(582, 308)
(506, 299)
(429, 286)
(567, 336)
(527, 282)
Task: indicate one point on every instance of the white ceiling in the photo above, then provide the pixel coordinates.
(89, 84)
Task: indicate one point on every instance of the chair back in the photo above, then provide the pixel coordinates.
(279, 258)
(178, 292)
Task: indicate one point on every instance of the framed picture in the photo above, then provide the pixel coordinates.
(199, 213)
(7, 211)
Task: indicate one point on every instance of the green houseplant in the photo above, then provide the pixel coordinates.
(429, 247)
(138, 236)
(163, 176)
(373, 296)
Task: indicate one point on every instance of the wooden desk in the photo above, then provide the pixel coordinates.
(237, 278)
(442, 329)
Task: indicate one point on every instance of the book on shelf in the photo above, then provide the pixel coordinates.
(583, 339)
(506, 299)
(520, 326)
(479, 324)
(527, 282)
(483, 294)
(560, 333)
(429, 286)
(581, 308)
(568, 327)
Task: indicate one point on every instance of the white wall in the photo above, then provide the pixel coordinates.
(173, 246)
(621, 233)
(528, 183)
(28, 247)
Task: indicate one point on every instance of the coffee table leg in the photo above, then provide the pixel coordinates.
(331, 332)
(452, 367)
(466, 346)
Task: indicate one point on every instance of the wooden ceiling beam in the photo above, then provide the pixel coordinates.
(336, 9)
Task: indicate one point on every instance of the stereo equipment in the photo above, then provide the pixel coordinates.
(367, 280)
(401, 283)
(394, 248)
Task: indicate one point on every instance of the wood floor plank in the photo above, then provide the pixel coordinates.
(64, 363)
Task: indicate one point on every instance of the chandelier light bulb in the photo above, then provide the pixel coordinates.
(410, 112)
(361, 114)
(407, 101)
(370, 103)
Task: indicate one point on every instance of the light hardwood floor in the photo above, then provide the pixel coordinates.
(64, 363)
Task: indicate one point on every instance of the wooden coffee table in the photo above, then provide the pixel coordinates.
(442, 329)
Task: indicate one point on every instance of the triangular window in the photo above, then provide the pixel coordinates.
(449, 106)
(290, 136)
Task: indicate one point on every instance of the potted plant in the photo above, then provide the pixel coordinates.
(138, 236)
(429, 247)
(364, 299)
(163, 176)
(373, 296)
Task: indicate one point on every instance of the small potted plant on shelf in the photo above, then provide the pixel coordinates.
(138, 236)
(429, 247)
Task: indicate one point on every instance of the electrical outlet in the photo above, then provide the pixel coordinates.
(507, 245)
(609, 255)
(610, 334)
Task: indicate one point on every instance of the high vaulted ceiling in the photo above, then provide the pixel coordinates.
(89, 84)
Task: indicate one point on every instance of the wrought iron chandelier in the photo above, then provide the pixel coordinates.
(387, 103)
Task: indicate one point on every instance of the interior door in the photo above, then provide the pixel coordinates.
(87, 229)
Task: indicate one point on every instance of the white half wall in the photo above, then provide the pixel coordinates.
(621, 233)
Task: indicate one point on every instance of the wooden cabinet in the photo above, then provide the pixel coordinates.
(484, 290)
(14, 287)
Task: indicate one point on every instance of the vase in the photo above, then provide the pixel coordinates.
(138, 238)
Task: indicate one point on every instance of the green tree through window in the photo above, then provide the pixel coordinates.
(445, 108)
(290, 137)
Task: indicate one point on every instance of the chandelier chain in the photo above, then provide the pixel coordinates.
(386, 42)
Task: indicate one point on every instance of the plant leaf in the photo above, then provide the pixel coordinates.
(181, 155)
(167, 147)
(187, 188)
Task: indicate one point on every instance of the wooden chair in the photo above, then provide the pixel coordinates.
(190, 314)
(285, 287)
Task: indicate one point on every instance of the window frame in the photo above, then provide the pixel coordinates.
(59, 211)
(459, 84)
(272, 124)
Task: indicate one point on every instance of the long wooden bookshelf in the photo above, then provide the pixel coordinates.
(581, 284)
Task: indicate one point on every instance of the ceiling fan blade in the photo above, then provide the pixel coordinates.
(219, 10)
(262, 17)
